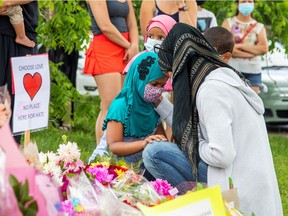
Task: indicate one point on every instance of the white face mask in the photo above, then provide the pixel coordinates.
(150, 43)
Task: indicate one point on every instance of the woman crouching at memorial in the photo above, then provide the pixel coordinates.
(217, 119)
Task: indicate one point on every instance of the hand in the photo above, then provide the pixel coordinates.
(155, 104)
(156, 137)
(4, 115)
(3, 10)
(131, 52)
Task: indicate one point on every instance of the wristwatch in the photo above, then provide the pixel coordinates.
(184, 8)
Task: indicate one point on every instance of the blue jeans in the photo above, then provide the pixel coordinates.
(255, 79)
(166, 161)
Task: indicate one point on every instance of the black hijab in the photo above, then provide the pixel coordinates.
(187, 53)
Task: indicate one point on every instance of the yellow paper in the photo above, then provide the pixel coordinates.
(206, 202)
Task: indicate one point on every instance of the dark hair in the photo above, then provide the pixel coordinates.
(200, 2)
(220, 38)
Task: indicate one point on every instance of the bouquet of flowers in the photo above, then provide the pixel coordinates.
(104, 172)
(66, 160)
(164, 189)
(132, 188)
(81, 198)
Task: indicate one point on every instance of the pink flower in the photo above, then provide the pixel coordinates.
(101, 174)
(73, 166)
(68, 207)
(162, 187)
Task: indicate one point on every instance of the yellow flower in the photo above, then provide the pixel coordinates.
(79, 208)
(106, 164)
(119, 171)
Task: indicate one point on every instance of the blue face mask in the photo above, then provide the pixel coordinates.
(150, 43)
(246, 8)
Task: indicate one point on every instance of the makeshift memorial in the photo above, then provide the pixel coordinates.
(107, 185)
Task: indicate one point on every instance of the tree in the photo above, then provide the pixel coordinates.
(62, 24)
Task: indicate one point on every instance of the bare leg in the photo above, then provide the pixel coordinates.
(21, 37)
(109, 85)
(256, 89)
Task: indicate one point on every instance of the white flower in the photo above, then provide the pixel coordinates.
(52, 168)
(52, 157)
(69, 152)
(42, 158)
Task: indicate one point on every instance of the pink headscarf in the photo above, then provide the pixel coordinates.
(164, 22)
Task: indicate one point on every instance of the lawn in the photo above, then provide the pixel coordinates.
(83, 134)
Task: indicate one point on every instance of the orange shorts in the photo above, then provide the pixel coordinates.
(104, 56)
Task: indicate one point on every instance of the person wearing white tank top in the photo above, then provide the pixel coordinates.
(250, 42)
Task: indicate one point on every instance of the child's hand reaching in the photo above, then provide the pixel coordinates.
(156, 137)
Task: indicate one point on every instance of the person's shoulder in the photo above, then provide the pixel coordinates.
(148, 5)
(206, 13)
(232, 19)
(259, 25)
(218, 76)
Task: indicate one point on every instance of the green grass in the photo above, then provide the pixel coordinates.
(83, 134)
(279, 147)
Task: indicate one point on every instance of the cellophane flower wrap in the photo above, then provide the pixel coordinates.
(110, 205)
(164, 189)
(82, 199)
(133, 188)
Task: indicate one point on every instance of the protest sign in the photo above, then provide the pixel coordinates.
(31, 79)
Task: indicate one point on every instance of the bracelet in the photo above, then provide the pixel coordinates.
(184, 8)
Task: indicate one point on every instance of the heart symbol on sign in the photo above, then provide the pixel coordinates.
(32, 84)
